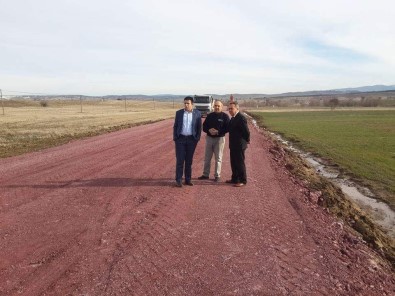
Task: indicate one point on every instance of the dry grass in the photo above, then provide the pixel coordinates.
(27, 126)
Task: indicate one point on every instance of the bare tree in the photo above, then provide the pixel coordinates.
(333, 103)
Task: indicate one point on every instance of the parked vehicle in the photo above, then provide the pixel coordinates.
(204, 103)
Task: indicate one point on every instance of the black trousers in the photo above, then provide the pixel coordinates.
(185, 148)
(237, 163)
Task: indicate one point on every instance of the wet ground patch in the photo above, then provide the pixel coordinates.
(320, 190)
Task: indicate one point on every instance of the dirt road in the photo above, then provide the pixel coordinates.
(101, 217)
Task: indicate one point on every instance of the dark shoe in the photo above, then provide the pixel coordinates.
(239, 185)
(203, 177)
(178, 184)
(230, 182)
(217, 179)
(189, 183)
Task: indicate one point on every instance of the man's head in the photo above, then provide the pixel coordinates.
(218, 106)
(233, 108)
(188, 104)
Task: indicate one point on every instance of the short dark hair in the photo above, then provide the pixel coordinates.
(189, 98)
(235, 104)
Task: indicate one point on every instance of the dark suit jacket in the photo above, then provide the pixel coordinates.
(239, 134)
(196, 124)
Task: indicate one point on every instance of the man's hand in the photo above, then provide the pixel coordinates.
(213, 131)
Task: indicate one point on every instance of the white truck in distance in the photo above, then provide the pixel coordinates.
(205, 104)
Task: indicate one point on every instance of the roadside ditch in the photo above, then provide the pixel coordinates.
(372, 219)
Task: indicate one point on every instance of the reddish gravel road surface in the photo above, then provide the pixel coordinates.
(101, 216)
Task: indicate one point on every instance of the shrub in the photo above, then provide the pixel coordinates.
(43, 103)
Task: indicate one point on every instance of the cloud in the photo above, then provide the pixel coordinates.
(334, 53)
(191, 46)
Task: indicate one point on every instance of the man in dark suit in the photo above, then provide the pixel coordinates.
(186, 134)
(239, 137)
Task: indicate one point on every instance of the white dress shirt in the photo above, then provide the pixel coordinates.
(187, 124)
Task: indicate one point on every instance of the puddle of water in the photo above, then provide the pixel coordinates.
(380, 212)
(320, 168)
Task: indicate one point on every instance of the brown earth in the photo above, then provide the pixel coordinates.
(101, 216)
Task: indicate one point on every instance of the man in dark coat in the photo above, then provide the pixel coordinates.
(186, 134)
(215, 126)
(239, 137)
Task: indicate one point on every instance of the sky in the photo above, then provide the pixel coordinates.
(118, 47)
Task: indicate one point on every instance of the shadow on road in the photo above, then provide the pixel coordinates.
(109, 182)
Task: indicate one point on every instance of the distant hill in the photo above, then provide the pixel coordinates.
(144, 97)
(378, 87)
(339, 91)
(168, 97)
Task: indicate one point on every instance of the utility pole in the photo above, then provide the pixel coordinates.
(2, 104)
(81, 103)
(154, 102)
(125, 104)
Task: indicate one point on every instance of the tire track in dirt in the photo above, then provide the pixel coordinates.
(147, 210)
(74, 194)
(101, 217)
(72, 165)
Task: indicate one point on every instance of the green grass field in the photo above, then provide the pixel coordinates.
(362, 143)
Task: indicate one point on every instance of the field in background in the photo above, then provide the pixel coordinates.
(28, 126)
(362, 143)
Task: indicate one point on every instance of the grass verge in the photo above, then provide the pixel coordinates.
(27, 144)
(333, 199)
